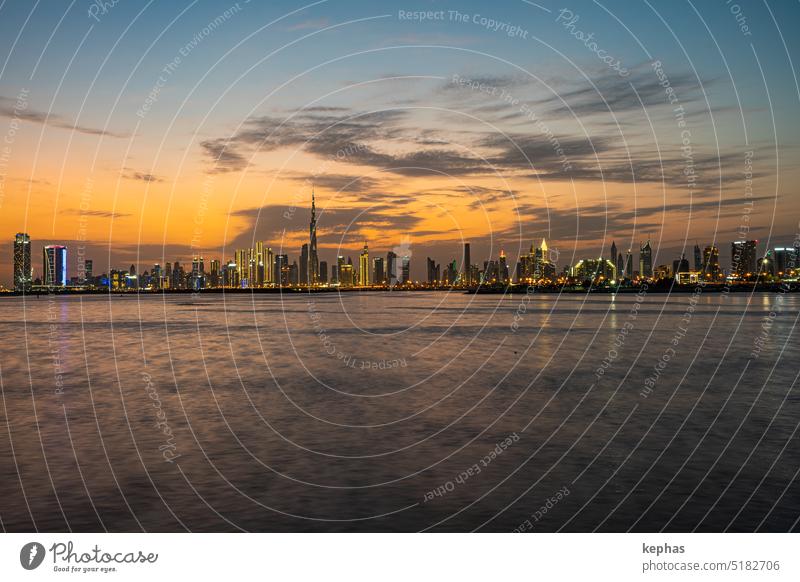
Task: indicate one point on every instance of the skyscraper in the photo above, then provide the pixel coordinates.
(406, 269)
(323, 273)
(646, 260)
(304, 266)
(743, 258)
(379, 275)
(269, 266)
(711, 268)
(23, 273)
(391, 268)
(54, 266)
(466, 265)
(363, 267)
(313, 259)
(698, 258)
(433, 272)
(613, 252)
(502, 269)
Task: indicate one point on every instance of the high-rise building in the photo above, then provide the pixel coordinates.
(465, 266)
(214, 273)
(743, 258)
(680, 265)
(627, 271)
(23, 270)
(391, 268)
(406, 269)
(614, 252)
(594, 270)
(54, 266)
(502, 268)
(88, 271)
(698, 258)
(323, 273)
(198, 273)
(620, 265)
(269, 266)
(282, 270)
(379, 274)
(313, 259)
(433, 272)
(304, 265)
(786, 260)
(363, 267)
(646, 260)
(710, 267)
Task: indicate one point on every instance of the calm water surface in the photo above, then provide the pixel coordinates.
(402, 411)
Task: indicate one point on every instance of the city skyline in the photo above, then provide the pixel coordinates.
(391, 148)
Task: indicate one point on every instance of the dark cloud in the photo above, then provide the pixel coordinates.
(10, 109)
(270, 222)
(223, 155)
(142, 176)
(97, 213)
(609, 92)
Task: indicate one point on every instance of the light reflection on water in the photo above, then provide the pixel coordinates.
(332, 412)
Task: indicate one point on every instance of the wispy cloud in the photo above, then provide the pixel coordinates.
(8, 108)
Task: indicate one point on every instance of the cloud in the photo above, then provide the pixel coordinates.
(334, 225)
(223, 155)
(10, 108)
(97, 213)
(142, 176)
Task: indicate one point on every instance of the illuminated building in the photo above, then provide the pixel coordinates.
(282, 270)
(363, 267)
(23, 270)
(614, 252)
(269, 266)
(346, 274)
(54, 266)
(323, 273)
(594, 270)
(710, 267)
(786, 261)
(391, 268)
(466, 265)
(662, 272)
(502, 269)
(687, 277)
(198, 273)
(304, 272)
(88, 271)
(406, 262)
(743, 258)
(379, 273)
(313, 259)
(646, 260)
(214, 273)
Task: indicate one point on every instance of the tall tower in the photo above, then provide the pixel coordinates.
(363, 267)
(467, 266)
(313, 259)
(646, 260)
(23, 274)
(54, 265)
(614, 252)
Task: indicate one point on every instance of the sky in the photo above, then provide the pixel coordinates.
(142, 132)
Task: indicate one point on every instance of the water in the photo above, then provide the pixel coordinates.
(384, 412)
